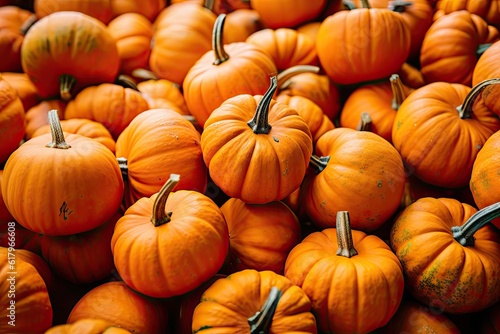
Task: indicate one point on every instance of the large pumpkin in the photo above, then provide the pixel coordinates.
(12, 19)
(158, 243)
(98, 9)
(450, 254)
(12, 126)
(347, 274)
(287, 14)
(66, 51)
(488, 10)
(256, 149)
(74, 183)
(267, 303)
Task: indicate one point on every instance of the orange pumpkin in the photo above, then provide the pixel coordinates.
(148, 8)
(36, 116)
(120, 306)
(77, 52)
(273, 145)
(24, 238)
(347, 273)
(12, 125)
(411, 76)
(66, 177)
(95, 326)
(260, 236)
(486, 65)
(5, 215)
(194, 227)
(98, 9)
(310, 29)
(268, 303)
(243, 67)
(240, 24)
(24, 88)
(450, 254)
(488, 10)
(229, 6)
(287, 14)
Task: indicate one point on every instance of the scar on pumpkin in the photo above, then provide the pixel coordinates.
(65, 211)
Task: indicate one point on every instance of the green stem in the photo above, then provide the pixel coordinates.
(259, 123)
(160, 216)
(399, 6)
(58, 140)
(122, 163)
(66, 83)
(465, 234)
(344, 235)
(217, 43)
(365, 4)
(126, 82)
(285, 76)
(465, 110)
(318, 163)
(348, 4)
(365, 122)
(260, 323)
(482, 48)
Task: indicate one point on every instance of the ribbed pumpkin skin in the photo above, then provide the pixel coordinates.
(37, 116)
(439, 271)
(287, 14)
(11, 38)
(342, 290)
(485, 67)
(149, 8)
(156, 91)
(12, 125)
(24, 87)
(488, 10)
(66, 43)
(98, 9)
(95, 326)
(71, 191)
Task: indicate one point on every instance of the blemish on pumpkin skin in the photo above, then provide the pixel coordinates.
(379, 183)
(276, 139)
(65, 211)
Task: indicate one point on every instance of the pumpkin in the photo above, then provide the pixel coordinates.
(73, 257)
(36, 116)
(156, 143)
(96, 326)
(182, 34)
(24, 238)
(5, 215)
(149, 8)
(437, 143)
(359, 31)
(229, 6)
(25, 296)
(24, 88)
(84, 127)
(310, 29)
(132, 33)
(12, 19)
(411, 76)
(273, 145)
(77, 52)
(120, 306)
(98, 9)
(450, 48)
(358, 171)
(450, 254)
(65, 175)
(240, 24)
(12, 126)
(485, 67)
(268, 303)
(488, 10)
(287, 14)
(242, 67)
(484, 179)
(287, 47)
(347, 273)
(380, 100)
(110, 104)
(260, 236)
(194, 227)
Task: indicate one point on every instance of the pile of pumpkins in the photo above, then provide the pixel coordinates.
(250, 166)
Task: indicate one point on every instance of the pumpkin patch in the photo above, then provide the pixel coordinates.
(250, 166)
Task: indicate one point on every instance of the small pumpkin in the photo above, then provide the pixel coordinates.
(240, 24)
(450, 254)
(488, 10)
(98, 9)
(287, 14)
(12, 125)
(95, 326)
(36, 116)
(24, 88)
(148, 8)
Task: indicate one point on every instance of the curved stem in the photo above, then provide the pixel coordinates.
(348, 4)
(30, 21)
(482, 48)
(144, 74)
(159, 216)
(58, 140)
(217, 42)
(465, 110)
(399, 6)
(344, 235)
(365, 122)
(259, 123)
(122, 163)
(398, 92)
(260, 323)
(66, 84)
(465, 234)
(126, 82)
(365, 4)
(318, 163)
(286, 75)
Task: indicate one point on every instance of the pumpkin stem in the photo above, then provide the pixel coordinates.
(365, 122)
(58, 140)
(28, 24)
(348, 4)
(318, 163)
(159, 216)
(465, 110)
(398, 93)
(122, 163)
(465, 234)
(399, 6)
(260, 323)
(208, 4)
(126, 82)
(344, 235)
(285, 76)
(365, 4)
(482, 48)
(66, 84)
(259, 123)
(217, 43)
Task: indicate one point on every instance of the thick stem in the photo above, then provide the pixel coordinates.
(398, 92)
(285, 76)
(260, 323)
(365, 122)
(208, 4)
(58, 140)
(465, 234)
(482, 48)
(159, 216)
(348, 4)
(144, 74)
(365, 4)
(217, 42)
(259, 123)
(30, 21)
(399, 6)
(344, 235)
(66, 84)
(465, 110)
(122, 163)
(318, 163)
(126, 82)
